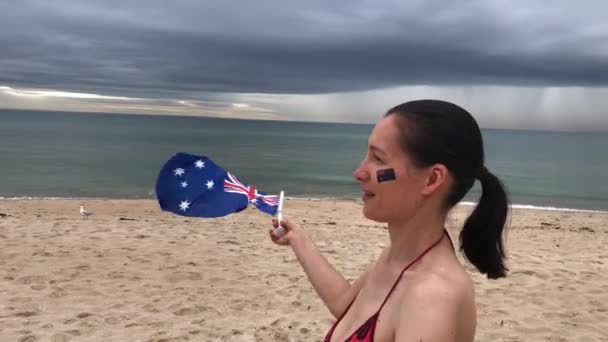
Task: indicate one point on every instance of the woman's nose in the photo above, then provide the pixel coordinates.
(361, 175)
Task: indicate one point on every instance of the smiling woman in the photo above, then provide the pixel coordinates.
(422, 158)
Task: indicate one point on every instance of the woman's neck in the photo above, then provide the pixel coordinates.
(412, 236)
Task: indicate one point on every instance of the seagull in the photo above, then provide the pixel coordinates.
(84, 213)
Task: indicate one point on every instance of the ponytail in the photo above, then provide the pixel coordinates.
(481, 237)
(434, 131)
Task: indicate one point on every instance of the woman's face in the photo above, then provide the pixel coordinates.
(389, 200)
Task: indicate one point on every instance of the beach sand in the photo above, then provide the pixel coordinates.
(134, 273)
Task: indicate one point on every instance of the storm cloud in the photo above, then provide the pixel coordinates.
(221, 51)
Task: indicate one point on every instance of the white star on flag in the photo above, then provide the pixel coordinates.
(184, 205)
(199, 164)
(209, 184)
(184, 184)
(179, 171)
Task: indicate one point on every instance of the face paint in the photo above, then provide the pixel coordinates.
(385, 175)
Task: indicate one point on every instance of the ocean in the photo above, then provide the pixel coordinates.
(96, 155)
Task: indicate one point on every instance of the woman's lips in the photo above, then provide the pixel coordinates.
(366, 195)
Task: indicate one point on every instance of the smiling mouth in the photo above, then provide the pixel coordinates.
(366, 195)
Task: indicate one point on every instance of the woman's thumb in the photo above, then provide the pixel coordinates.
(286, 223)
(279, 232)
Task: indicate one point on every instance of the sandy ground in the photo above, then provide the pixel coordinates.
(134, 273)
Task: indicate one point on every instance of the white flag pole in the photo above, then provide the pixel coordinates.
(280, 230)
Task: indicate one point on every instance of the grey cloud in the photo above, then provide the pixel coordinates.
(188, 48)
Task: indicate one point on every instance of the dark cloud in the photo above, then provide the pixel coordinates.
(163, 48)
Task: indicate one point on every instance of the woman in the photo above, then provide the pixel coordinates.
(422, 158)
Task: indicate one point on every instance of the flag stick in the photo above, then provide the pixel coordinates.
(280, 230)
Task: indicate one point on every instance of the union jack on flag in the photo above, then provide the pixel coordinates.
(191, 185)
(233, 185)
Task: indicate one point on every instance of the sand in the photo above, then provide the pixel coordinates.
(133, 273)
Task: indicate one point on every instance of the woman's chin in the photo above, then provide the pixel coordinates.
(371, 214)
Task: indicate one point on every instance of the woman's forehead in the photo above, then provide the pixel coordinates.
(385, 135)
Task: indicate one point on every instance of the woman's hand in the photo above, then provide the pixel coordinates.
(292, 232)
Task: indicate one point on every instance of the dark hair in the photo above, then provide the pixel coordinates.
(439, 132)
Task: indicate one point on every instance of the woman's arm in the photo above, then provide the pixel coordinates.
(335, 291)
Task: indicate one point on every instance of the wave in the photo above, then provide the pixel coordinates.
(303, 198)
(538, 207)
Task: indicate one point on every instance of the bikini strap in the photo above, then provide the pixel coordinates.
(445, 232)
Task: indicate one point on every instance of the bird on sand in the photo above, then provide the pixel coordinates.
(85, 213)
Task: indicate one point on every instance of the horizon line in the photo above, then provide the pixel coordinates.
(194, 115)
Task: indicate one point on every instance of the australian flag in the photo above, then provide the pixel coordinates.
(191, 185)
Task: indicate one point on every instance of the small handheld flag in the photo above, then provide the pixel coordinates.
(191, 185)
(279, 231)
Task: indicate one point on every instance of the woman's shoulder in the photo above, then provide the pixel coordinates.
(450, 286)
(436, 306)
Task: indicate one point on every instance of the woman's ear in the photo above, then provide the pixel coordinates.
(437, 175)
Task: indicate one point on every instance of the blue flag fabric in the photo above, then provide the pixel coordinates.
(191, 185)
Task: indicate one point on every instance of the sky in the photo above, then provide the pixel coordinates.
(518, 64)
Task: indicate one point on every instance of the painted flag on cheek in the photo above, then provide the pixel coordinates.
(385, 175)
(192, 185)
